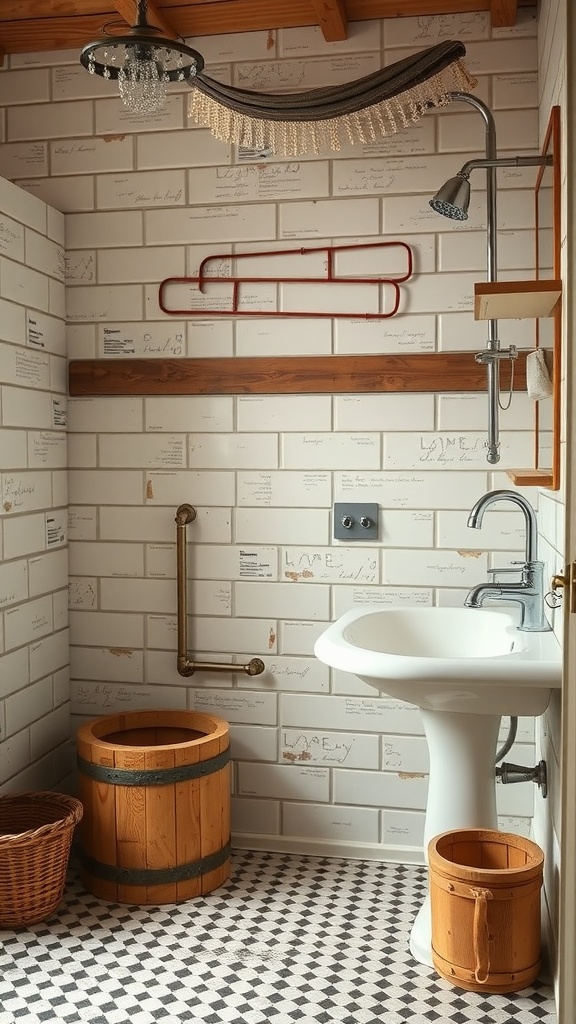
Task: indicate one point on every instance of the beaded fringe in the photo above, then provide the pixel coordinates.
(296, 138)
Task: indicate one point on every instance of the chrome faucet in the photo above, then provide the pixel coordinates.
(528, 592)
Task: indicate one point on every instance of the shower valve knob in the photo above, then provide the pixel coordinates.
(347, 522)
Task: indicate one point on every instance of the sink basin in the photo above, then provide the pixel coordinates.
(446, 659)
(472, 661)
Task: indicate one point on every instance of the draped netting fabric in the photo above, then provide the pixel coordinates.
(361, 111)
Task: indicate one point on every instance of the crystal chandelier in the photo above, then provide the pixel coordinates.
(142, 62)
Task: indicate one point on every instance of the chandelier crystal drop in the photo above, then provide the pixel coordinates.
(143, 63)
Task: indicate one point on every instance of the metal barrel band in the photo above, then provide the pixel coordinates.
(155, 876)
(153, 776)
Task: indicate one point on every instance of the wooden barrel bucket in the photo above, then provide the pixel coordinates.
(155, 787)
(485, 904)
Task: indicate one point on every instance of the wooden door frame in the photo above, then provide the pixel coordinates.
(567, 929)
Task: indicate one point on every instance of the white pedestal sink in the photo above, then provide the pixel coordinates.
(464, 668)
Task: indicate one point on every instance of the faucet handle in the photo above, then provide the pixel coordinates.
(494, 571)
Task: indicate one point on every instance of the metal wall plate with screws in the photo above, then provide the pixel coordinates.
(355, 520)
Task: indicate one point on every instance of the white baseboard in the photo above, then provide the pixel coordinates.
(328, 848)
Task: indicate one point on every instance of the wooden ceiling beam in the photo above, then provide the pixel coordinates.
(332, 19)
(503, 13)
(128, 10)
(29, 35)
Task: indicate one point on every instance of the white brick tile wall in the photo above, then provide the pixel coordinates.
(110, 665)
(379, 789)
(27, 706)
(24, 286)
(333, 451)
(308, 40)
(253, 743)
(26, 623)
(16, 454)
(284, 412)
(428, 30)
(403, 827)
(14, 671)
(150, 198)
(149, 264)
(91, 156)
(204, 488)
(104, 302)
(329, 749)
(24, 535)
(291, 782)
(214, 413)
(23, 160)
(104, 230)
(154, 151)
(25, 492)
(275, 337)
(141, 450)
(269, 526)
(282, 600)
(69, 194)
(106, 628)
(48, 572)
(284, 489)
(255, 816)
(306, 675)
(49, 120)
(93, 414)
(111, 118)
(204, 224)
(13, 321)
(352, 824)
(142, 190)
(323, 219)
(110, 487)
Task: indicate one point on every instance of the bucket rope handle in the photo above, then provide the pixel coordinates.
(481, 944)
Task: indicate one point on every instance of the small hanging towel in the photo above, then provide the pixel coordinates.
(538, 381)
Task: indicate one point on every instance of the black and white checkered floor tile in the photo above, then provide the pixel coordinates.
(288, 939)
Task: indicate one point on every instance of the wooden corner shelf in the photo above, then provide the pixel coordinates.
(516, 300)
(530, 477)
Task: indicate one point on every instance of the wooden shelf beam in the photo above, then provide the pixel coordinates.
(288, 375)
(516, 300)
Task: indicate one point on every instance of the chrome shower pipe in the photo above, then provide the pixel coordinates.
(493, 344)
(506, 161)
(187, 514)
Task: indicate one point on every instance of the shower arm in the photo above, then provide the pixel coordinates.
(187, 514)
(506, 161)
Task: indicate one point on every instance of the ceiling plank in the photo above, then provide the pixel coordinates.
(331, 19)
(503, 13)
(23, 10)
(194, 19)
(127, 8)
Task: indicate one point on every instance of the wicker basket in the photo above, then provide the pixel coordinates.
(35, 835)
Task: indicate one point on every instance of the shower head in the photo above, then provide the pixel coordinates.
(453, 199)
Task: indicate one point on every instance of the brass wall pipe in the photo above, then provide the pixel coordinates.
(187, 514)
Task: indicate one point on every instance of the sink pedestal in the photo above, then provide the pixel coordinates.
(461, 790)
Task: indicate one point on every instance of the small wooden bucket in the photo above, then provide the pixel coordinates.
(485, 902)
(155, 788)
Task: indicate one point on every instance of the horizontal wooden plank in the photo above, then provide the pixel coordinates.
(288, 375)
(35, 25)
(531, 477)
